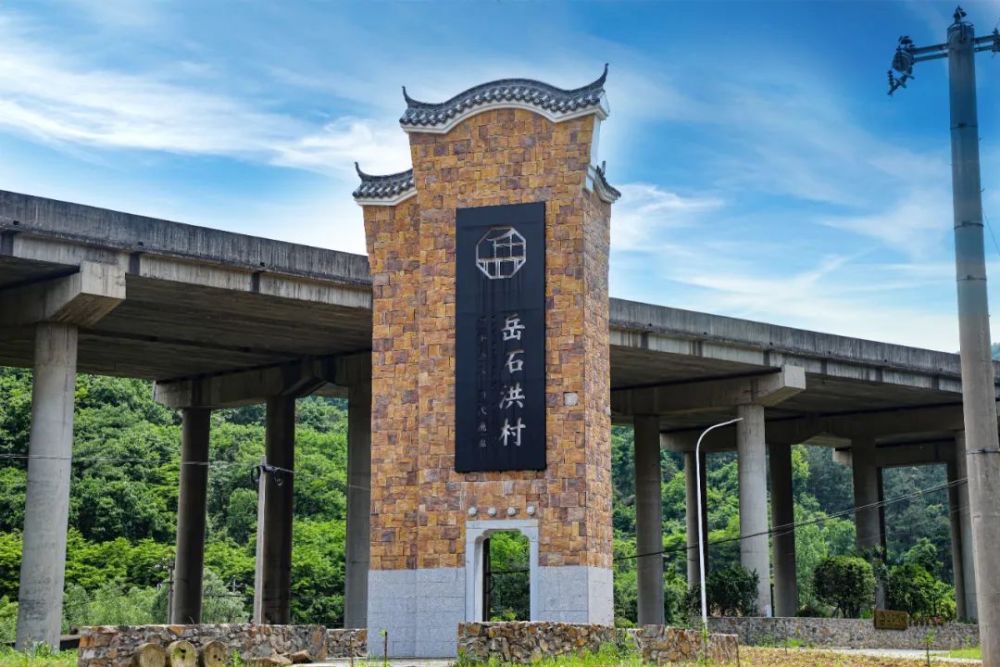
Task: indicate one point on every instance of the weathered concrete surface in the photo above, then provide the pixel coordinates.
(786, 593)
(648, 520)
(866, 497)
(691, 516)
(191, 516)
(752, 460)
(206, 303)
(79, 225)
(359, 468)
(81, 298)
(965, 527)
(199, 301)
(46, 514)
(279, 447)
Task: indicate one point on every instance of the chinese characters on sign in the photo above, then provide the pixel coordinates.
(500, 338)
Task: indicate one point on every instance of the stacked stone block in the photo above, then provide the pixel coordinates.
(115, 645)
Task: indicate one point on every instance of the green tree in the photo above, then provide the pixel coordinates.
(10, 564)
(846, 583)
(509, 597)
(241, 515)
(731, 591)
(915, 590)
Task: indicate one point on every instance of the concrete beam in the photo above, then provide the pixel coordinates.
(228, 390)
(30, 217)
(647, 327)
(82, 298)
(764, 390)
(843, 426)
(296, 378)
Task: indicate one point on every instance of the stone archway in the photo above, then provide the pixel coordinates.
(476, 533)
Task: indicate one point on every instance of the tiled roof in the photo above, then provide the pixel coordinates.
(388, 189)
(604, 189)
(555, 103)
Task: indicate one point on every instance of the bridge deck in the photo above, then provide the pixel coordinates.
(202, 301)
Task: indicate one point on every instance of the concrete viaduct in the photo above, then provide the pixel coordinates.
(218, 319)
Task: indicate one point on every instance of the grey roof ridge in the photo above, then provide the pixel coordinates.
(525, 91)
(387, 187)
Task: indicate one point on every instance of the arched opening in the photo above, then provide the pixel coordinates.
(506, 577)
(501, 570)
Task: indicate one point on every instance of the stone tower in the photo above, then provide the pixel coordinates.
(490, 370)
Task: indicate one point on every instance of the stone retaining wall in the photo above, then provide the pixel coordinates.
(661, 645)
(344, 643)
(113, 646)
(844, 633)
(524, 641)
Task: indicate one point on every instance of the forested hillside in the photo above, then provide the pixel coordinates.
(124, 496)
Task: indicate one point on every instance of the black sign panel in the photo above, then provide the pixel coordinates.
(500, 338)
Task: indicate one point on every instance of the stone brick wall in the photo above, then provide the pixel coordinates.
(524, 642)
(844, 633)
(113, 646)
(419, 503)
(665, 645)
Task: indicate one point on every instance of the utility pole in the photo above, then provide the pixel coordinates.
(261, 473)
(978, 382)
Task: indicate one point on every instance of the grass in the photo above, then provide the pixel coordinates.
(42, 657)
(749, 657)
(973, 652)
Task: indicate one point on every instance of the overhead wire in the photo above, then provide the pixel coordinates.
(785, 529)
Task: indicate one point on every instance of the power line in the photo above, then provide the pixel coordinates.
(84, 460)
(789, 527)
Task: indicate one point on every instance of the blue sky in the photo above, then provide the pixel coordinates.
(765, 172)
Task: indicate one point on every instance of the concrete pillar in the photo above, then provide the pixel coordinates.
(965, 528)
(691, 515)
(46, 514)
(786, 589)
(866, 520)
(752, 453)
(954, 513)
(276, 572)
(867, 495)
(648, 520)
(191, 508)
(359, 471)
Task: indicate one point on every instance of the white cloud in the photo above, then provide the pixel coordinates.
(914, 225)
(646, 211)
(379, 148)
(54, 99)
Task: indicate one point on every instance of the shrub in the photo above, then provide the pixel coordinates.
(845, 582)
(731, 591)
(915, 590)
